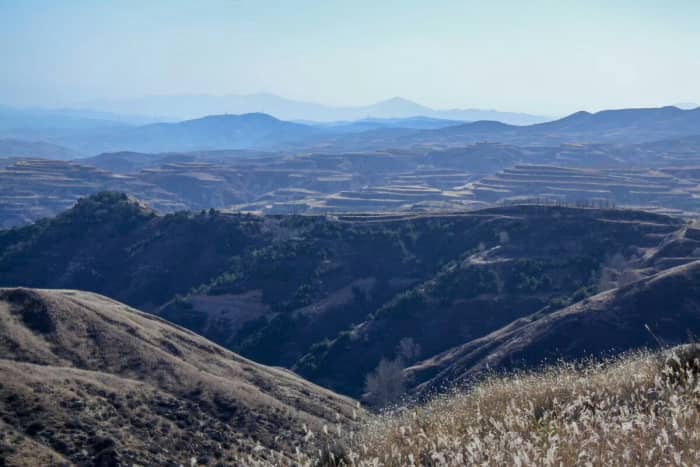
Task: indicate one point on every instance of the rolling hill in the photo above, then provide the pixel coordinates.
(663, 309)
(330, 296)
(35, 149)
(86, 380)
(608, 126)
(264, 132)
(254, 130)
(623, 126)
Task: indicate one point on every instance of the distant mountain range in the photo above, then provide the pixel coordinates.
(211, 132)
(623, 125)
(65, 119)
(193, 106)
(628, 126)
(260, 131)
(366, 124)
(20, 148)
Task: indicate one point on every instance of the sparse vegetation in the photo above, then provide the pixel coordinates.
(617, 271)
(641, 409)
(272, 287)
(385, 385)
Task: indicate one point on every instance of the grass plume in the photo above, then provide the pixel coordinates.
(640, 409)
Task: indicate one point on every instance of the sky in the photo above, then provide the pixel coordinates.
(543, 57)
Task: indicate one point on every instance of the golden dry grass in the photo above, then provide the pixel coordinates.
(93, 382)
(629, 411)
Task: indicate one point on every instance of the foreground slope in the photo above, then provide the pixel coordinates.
(89, 380)
(658, 310)
(640, 410)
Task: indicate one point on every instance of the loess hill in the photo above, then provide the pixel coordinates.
(90, 381)
(331, 296)
(656, 311)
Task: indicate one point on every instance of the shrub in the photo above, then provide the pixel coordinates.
(385, 385)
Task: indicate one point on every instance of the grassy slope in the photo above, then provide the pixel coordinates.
(88, 378)
(629, 411)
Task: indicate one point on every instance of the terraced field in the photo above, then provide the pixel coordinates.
(673, 190)
(662, 176)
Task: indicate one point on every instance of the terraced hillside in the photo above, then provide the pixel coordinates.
(661, 176)
(672, 189)
(31, 189)
(86, 380)
(332, 296)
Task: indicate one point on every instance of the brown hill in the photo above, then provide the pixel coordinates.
(663, 309)
(88, 380)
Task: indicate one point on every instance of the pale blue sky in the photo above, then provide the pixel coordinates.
(548, 57)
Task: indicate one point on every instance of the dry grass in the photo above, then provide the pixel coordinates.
(95, 382)
(634, 410)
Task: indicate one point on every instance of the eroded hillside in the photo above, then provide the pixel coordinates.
(88, 380)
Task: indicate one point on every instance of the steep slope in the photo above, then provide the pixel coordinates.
(635, 410)
(522, 261)
(661, 309)
(92, 381)
(111, 244)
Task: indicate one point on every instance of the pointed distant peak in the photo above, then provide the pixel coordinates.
(397, 100)
(396, 107)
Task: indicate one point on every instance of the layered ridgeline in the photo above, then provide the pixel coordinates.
(333, 297)
(89, 381)
(661, 176)
(263, 131)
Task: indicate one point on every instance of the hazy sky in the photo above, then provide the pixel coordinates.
(547, 57)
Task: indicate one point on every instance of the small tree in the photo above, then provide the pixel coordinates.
(385, 384)
(408, 350)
